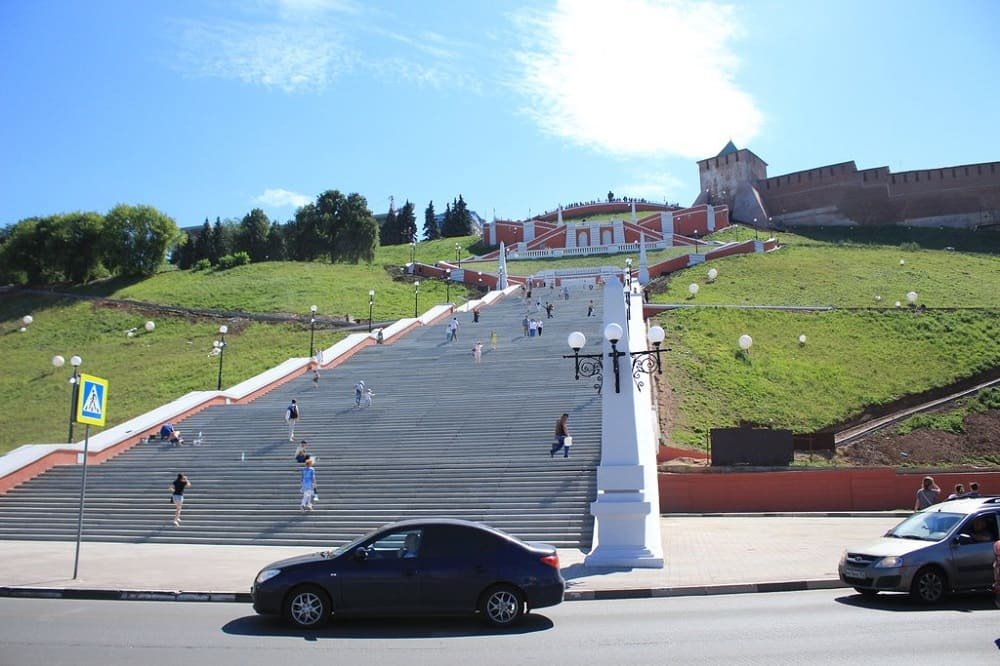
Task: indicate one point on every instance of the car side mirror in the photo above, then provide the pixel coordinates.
(361, 554)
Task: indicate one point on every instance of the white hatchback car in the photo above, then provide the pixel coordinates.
(947, 547)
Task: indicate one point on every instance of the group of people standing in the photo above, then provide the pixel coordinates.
(531, 327)
(929, 493)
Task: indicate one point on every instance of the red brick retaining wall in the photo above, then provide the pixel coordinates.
(868, 489)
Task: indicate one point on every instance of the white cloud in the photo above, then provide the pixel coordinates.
(279, 198)
(305, 45)
(636, 77)
(303, 8)
(286, 56)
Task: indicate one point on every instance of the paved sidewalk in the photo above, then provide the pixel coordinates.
(702, 555)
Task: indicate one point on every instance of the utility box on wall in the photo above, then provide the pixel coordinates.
(759, 447)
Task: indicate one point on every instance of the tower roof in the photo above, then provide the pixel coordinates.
(728, 150)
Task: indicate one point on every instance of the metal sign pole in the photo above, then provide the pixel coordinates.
(83, 496)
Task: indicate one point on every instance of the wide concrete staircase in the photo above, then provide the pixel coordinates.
(446, 437)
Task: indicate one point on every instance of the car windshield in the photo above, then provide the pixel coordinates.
(926, 526)
(349, 546)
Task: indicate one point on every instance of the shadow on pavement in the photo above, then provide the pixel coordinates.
(385, 628)
(579, 570)
(902, 603)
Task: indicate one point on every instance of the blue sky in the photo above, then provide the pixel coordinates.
(207, 108)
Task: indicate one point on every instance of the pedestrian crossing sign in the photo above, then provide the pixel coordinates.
(92, 400)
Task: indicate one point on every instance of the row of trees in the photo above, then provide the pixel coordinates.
(78, 247)
(336, 226)
(133, 240)
(401, 227)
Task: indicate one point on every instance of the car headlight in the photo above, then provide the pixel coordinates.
(893, 562)
(267, 574)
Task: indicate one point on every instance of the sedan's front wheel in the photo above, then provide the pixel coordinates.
(502, 606)
(307, 607)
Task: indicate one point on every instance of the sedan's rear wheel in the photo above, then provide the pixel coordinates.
(929, 585)
(307, 607)
(502, 605)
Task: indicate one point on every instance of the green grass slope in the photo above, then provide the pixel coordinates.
(867, 352)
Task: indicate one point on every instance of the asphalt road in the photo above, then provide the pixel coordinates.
(826, 626)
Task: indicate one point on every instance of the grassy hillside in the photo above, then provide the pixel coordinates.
(150, 369)
(144, 371)
(290, 287)
(867, 354)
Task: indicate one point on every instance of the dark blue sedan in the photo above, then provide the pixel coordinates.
(437, 566)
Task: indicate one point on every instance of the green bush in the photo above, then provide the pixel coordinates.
(952, 422)
(201, 265)
(987, 399)
(909, 246)
(233, 260)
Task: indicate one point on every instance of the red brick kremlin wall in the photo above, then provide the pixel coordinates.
(965, 196)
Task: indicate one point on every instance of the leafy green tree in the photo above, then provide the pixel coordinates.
(184, 254)
(23, 252)
(359, 231)
(56, 248)
(389, 234)
(251, 236)
(136, 239)
(79, 246)
(329, 213)
(276, 243)
(203, 244)
(218, 245)
(306, 239)
(431, 230)
(407, 223)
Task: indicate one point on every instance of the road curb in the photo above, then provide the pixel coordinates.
(97, 594)
(702, 590)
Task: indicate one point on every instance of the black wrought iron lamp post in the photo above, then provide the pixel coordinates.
(591, 365)
(220, 344)
(312, 330)
(447, 282)
(371, 307)
(416, 296)
(74, 381)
